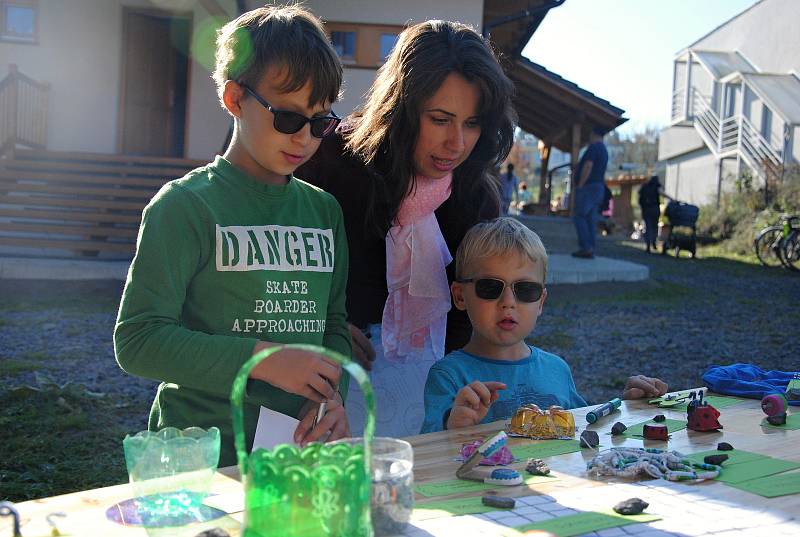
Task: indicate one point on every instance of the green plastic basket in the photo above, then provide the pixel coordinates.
(318, 490)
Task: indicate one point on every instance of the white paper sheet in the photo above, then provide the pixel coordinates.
(274, 428)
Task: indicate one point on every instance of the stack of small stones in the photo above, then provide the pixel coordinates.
(537, 467)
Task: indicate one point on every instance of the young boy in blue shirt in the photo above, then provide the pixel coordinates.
(500, 273)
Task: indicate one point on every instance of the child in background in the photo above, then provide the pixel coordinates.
(239, 255)
(500, 273)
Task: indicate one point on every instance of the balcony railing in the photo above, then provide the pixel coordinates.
(23, 111)
(678, 104)
(734, 135)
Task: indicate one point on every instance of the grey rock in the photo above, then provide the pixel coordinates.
(214, 532)
(724, 446)
(778, 419)
(715, 459)
(659, 418)
(631, 506)
(499, 501)
(618, 428)
(537, 467)
(590, 439)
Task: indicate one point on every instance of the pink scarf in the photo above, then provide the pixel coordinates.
(416, 257)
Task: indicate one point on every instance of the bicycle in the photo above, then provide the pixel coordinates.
(772, 242)
(790, 254)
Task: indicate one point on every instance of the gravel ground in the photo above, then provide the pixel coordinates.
(689, 315)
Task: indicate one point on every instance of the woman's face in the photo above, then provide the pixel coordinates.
(449, 127)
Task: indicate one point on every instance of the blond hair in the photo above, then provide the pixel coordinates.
(500, 237)
(285, 36)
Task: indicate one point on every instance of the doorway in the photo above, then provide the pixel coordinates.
(154, 86)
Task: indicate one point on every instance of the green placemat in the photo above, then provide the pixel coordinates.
(717, 401)
(735, 456)
(443, 508)
(541, 449)
(567, 526)
(457, 486)
(772, 486)
(745, 471)
(638, 429)
(792, 423)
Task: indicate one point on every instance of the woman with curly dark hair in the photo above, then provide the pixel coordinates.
(413, 171)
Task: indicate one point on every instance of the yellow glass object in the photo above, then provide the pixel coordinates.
(529, 420)
(563, 420)
(523, 419)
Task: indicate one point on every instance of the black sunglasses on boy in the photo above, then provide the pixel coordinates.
(289, 122)
(492, 289)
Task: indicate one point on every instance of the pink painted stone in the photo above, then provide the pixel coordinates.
(501, 456)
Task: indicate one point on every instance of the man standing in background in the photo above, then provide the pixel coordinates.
(589, 188)
(508, 188)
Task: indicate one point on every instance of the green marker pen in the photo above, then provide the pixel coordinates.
(603, 410)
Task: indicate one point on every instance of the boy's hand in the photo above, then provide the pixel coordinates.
(472, 402)
(363, 352)
(639, 386)
(334, 422)
(304, 373)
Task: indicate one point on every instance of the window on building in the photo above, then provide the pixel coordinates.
(19, 20)
(362, 45)
(345, 45)
(766, 124)
(387, 44)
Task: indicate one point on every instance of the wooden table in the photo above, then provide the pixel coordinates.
(435, 461)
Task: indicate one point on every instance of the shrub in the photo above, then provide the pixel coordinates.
(741, 214)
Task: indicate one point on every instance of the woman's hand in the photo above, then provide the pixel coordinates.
(363, 352)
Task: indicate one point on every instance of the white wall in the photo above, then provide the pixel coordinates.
(692, 178)
(765, 34)
(677, 140)
(358, 80)
(79, 53)
(398, 12)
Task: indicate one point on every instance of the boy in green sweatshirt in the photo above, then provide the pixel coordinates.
(239, 255)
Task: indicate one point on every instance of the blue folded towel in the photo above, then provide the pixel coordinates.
(747, 380)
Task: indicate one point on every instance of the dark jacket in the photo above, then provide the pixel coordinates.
(649, 196)
(353, 185)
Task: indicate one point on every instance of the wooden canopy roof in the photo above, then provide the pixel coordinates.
(550, 107)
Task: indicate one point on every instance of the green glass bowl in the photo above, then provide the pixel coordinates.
(171, 470)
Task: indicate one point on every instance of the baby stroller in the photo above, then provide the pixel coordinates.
(685, 216)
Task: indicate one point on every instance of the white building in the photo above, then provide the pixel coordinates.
(133, 76)
(735, 104)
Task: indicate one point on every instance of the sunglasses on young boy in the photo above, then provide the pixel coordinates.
(492, 289)
(289, 122)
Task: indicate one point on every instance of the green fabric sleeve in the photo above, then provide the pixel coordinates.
(149, 339)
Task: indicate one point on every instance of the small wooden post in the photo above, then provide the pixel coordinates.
(544, 185)
(576, 148)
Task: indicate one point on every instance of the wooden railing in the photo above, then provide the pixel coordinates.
(23, 111)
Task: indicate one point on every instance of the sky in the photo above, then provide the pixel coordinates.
(623, 50)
